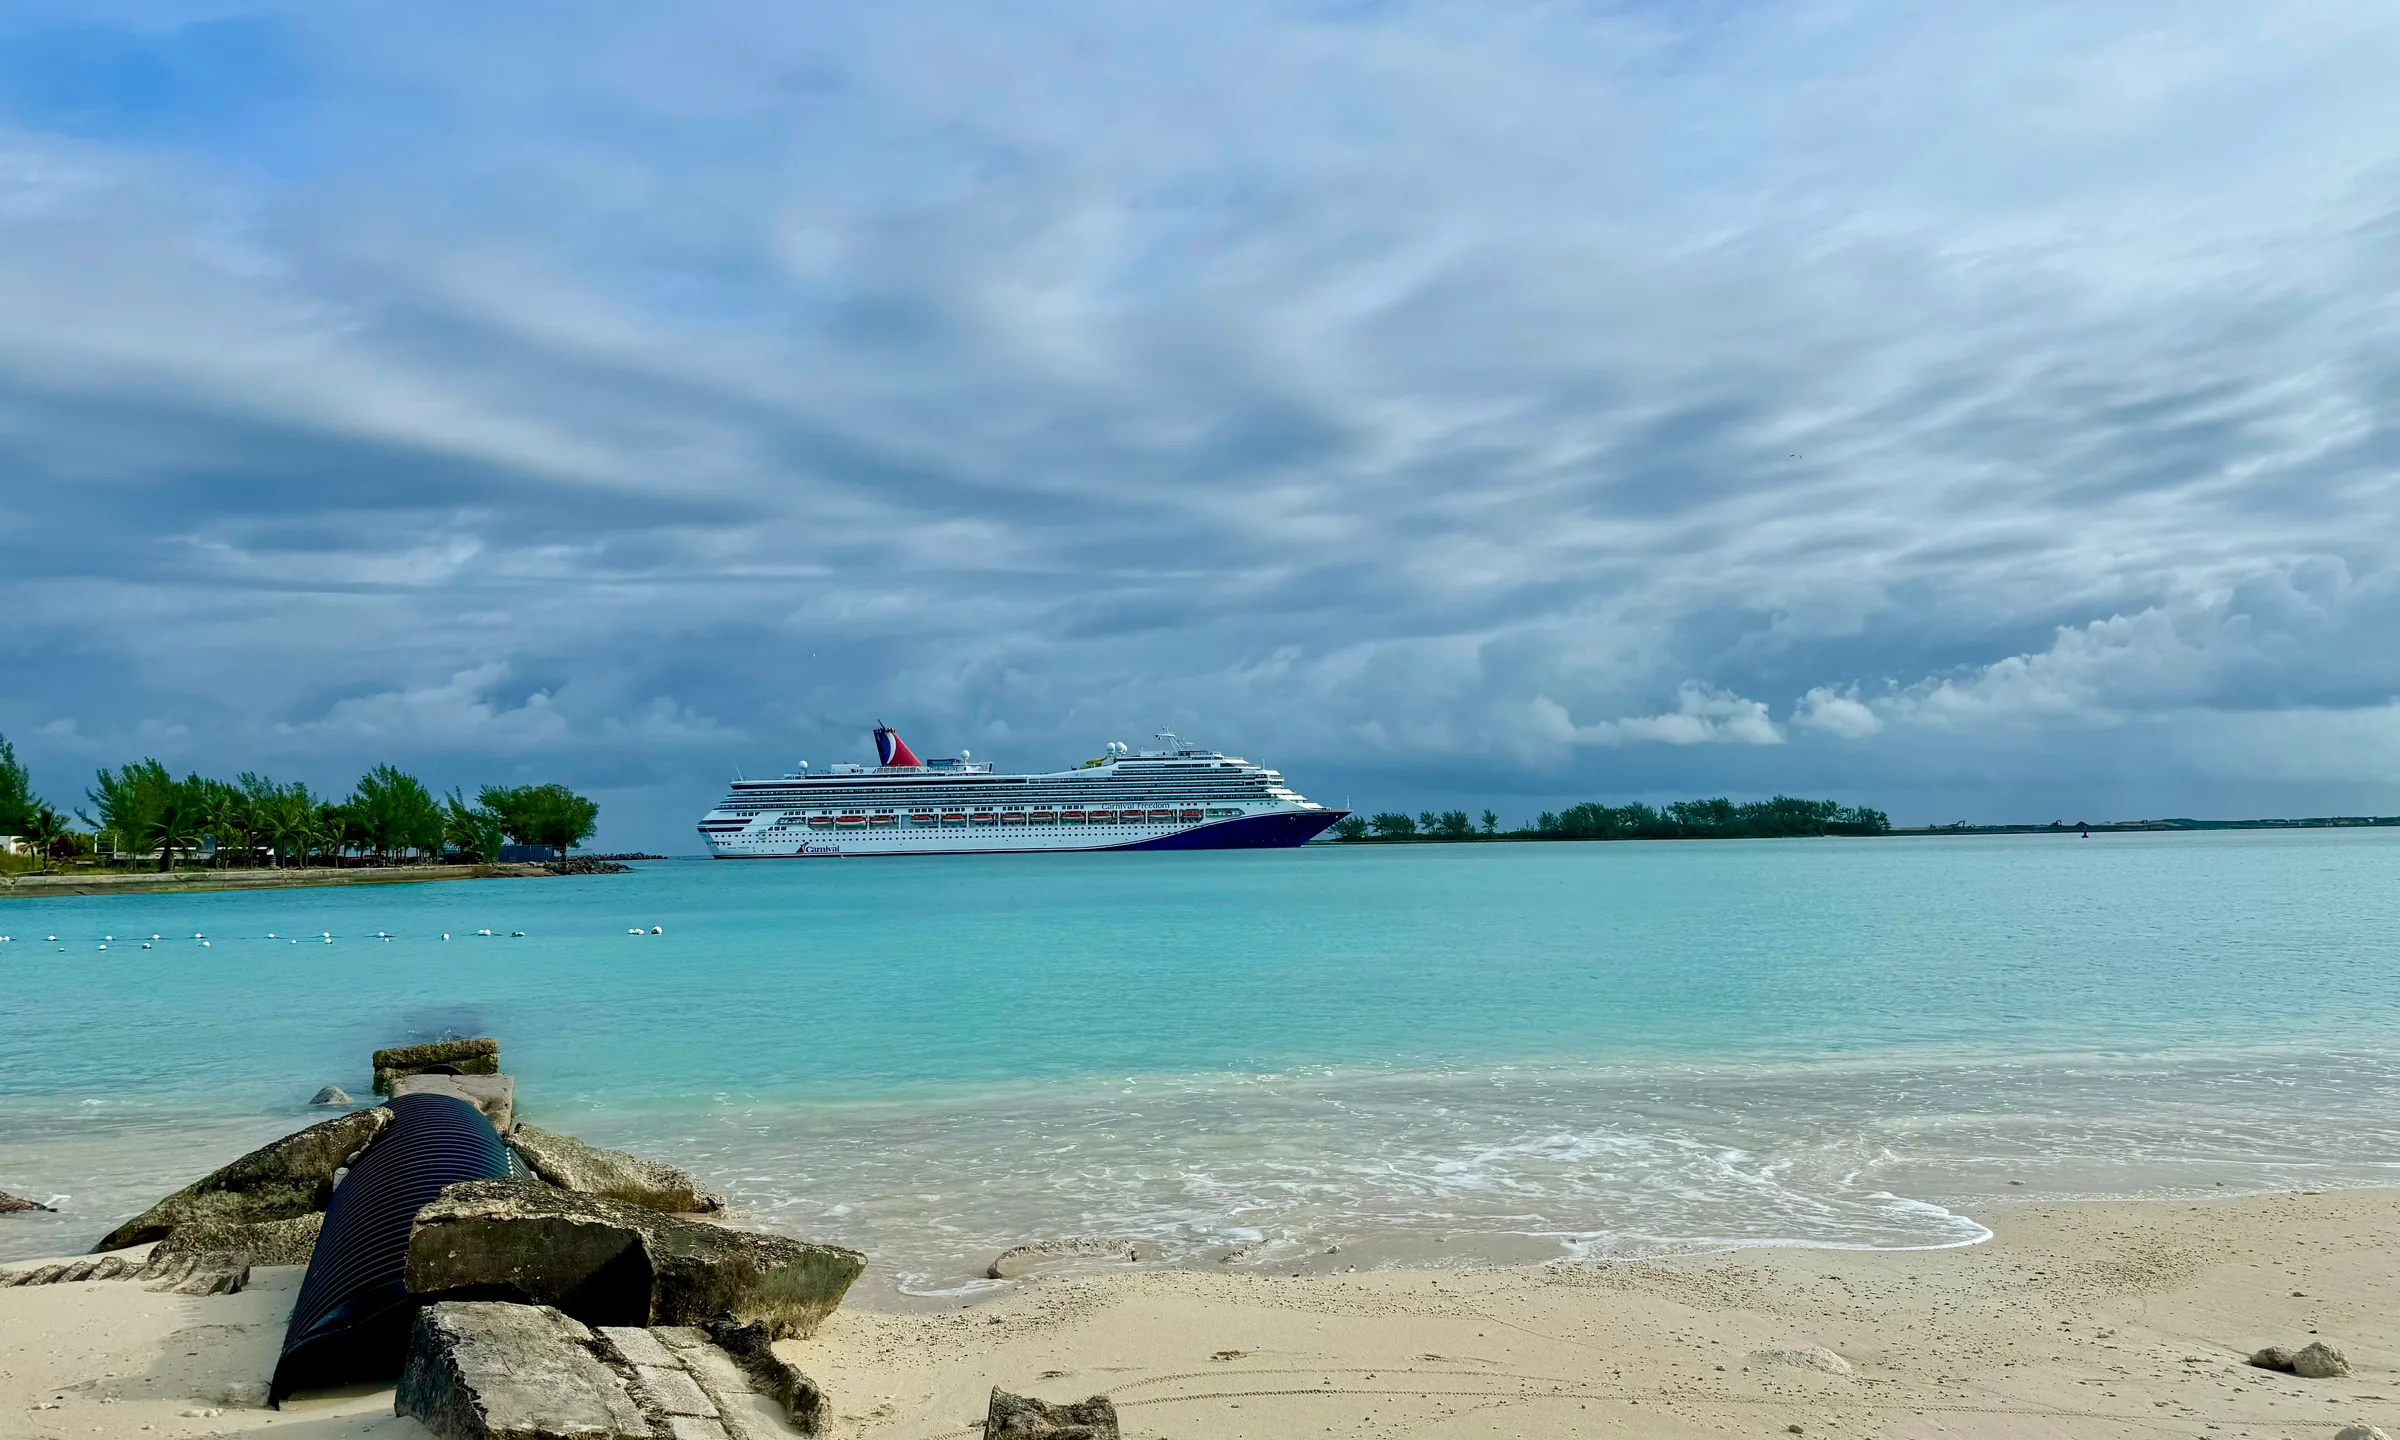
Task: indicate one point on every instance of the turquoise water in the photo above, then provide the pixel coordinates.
(1440, 1051)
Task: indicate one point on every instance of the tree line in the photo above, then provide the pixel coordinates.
(1717, 819)
(143, 810)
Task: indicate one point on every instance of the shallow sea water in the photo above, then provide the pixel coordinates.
(1436, 1054)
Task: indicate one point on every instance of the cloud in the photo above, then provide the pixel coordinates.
(1702, 716)
(454, 713)
(1836, 713)
(1352, 387)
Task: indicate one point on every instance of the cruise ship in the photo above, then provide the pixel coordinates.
(1173, 797)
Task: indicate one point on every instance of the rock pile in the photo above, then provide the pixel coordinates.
(2313, 1361)
(482, 1370)
(580, 1302)
(479, 1056)
(609, 1263)
(17, 1204)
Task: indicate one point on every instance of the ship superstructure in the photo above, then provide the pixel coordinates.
(1173, 797)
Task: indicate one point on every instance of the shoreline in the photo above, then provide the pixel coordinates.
(2077, 1319)
(197, 881)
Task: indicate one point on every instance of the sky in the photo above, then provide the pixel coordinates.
(1981, 411)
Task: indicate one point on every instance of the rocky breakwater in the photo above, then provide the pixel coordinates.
(598, 1297)
(606, 1262)
(481, 1370)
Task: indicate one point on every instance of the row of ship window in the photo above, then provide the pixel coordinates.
(1012, 817)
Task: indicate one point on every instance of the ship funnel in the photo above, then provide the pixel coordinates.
(894, 751)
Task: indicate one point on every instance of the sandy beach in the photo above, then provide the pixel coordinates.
(137, 882)
(2075, 1320)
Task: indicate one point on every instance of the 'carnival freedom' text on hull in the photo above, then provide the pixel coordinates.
(1176, 797)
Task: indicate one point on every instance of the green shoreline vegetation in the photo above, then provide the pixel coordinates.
(1718, 819)
(143, 818)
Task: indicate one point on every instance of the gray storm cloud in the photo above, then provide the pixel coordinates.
(1981, 410)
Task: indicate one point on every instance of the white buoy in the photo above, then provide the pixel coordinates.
(636, 930)
(657, 930)
(445, 934)
(158, 937)
(204, 945)
(518, 934)
(145, 944)
(104, 947)
(270, 934)
(54, 937)
(108, 937)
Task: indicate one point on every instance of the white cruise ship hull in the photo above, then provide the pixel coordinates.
(1179, 798)
(1269, 831)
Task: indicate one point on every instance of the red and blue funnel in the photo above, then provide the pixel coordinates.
(893, 750)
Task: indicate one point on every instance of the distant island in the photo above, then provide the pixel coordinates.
(1780, 818)
(2062, 827)
(1717, 819)
(147, 829)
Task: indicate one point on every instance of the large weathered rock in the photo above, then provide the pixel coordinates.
(486, 1370)
(570, 1164)
(494, 1095)
(272, 1242)
(16, 1204)
(1025, 1418)
(442, 1057)
(330, 1095)
(2319, 1361)
(2273, 1357)
(609, 1263)
(292, 1177)
(483, 1371)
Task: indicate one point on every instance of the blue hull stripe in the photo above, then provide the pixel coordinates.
(1250, 832)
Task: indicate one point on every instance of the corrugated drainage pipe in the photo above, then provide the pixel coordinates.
(351, 1321)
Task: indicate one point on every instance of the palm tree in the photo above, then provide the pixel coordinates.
(43, 828)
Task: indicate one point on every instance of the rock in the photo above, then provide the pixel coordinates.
(478, 1370)
(2359, 1432)
(570, 1164)
(272, 1242)
(442, 1057)
(769, 1374)
(244, 1394)
(18, 1204)
(290, 1178)
(1019, 1415)
(331, 1095)
(2320, 1361)
(101, 1267)
(494, 1095)
(224, 1273)
(523, 1372)
(1024, 1259)
(1802, 1357)
(2274, 1357)
(609, 1263)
